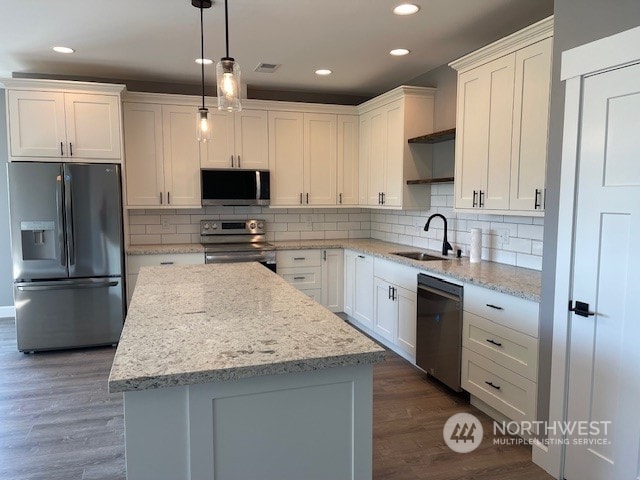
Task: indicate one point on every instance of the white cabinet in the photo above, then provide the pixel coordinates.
(238, 140)
(348, 145)
(359, 288)
(318, 273)
(500, 351)
(64, 125)
(135, 262)
(502, 122)
(162, 156)
(386, 160)
(320, 159)
(386, 310)
(286, 151)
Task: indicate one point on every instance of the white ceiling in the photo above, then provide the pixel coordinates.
(158, 40)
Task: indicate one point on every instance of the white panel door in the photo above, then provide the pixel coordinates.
(143, 154)
(530, 125)
(320, 159)
(395, 155)
(407, 316)
(363, 159)
(93, 125)
(386, 310)
(181, 156)
(286, 151)
(36, 124)
(604, 384)
(363, 293)
(349, 280)
(251, 139)
(377, 155)
(348, 143)
(218, 152)
(332, 279)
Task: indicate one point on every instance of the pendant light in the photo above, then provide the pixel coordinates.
(228, 75)
(203, 126)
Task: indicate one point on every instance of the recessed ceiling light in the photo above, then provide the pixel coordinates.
(63, 49)
(406, 9)
(323, 71)
(398, 52)
(206, 61)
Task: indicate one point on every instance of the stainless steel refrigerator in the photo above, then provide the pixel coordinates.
(66, 234)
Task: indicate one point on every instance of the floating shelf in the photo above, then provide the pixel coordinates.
(435, 137)
(430, 180)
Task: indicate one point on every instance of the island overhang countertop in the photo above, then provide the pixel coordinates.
(190, 324)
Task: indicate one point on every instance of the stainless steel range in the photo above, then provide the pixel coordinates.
(227, 241)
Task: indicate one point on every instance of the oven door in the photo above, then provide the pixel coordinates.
(266, 258)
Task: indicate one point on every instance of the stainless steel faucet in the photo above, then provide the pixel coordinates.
(446, 246)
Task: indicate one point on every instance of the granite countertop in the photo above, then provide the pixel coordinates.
(192, 324)
(516, 281)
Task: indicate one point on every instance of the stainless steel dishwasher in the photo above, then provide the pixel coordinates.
(439, 329)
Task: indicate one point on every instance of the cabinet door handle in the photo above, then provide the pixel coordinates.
(238, 161)
(536, 200)
(307, 199)
(379, 198)
(61, 149)
(299, 278)
(70, 149)
(493, 342)
(168, 198)
(160, 198)
(325, 255)
(166, 263)
(383, 198)
(490, 305)
(361, 256)
(389, 292)
(475, 199)
(340, 198)
(301, 199)
(492, 385)
(481, 199)
(231, 161)
(299, 258)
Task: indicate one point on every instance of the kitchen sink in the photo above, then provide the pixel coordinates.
(424, 257)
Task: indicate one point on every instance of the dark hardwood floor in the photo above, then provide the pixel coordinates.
(58, 422)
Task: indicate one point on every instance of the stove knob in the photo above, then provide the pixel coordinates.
(252, 225)
(206, 226)
(214, 226)
(260, 225)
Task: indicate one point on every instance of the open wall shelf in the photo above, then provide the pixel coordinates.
(435, 137)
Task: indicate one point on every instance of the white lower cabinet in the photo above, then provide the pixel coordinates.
(500, 352)
(135, 262)
(318, 273)
(359, 289)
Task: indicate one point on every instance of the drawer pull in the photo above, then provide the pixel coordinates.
(299, 258)
(361, 256)
(493, 342)
(299, 278)
(494, 306)
(492, 385)
(166, 263)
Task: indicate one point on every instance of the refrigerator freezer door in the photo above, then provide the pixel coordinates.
(68, 313)
(37, 223)
(93, 205)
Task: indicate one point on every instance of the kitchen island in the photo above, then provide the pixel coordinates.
(228, 372)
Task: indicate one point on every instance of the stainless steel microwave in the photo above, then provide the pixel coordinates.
(235, 187)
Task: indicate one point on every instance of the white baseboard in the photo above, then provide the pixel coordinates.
(7, 311)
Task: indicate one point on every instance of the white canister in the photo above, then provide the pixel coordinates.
(475, 253)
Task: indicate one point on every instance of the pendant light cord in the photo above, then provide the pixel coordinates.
(226, 25)
(202, 51)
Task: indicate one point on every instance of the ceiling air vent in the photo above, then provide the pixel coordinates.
(267, 67)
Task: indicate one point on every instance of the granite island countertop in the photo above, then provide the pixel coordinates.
(191, 324)
(516, 281)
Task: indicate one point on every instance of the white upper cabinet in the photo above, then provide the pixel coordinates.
(238, 140)
(320, 159)
(386, 161)
(348, 144)
(162, 156)
(286, 151)
(501, 123)
(46, 122)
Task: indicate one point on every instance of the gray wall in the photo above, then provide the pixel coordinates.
(576, 22)
(6, 275)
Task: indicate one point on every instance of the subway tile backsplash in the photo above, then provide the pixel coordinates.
(523, 235)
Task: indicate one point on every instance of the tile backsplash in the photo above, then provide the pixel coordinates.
(505, 239)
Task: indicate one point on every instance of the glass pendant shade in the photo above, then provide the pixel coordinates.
(228, 79)
(203, 127)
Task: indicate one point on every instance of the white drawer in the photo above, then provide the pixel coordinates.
(507, 310)
(400, 275)
(135, 262)
(303, 278)
(298, 258)
(511, 394)
(511, 349)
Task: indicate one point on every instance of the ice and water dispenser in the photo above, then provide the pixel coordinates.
(38, 240)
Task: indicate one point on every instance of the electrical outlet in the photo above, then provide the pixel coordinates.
(503, 236)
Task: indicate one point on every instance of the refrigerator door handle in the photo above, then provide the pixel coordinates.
(68, 208)
(66, 286)
(59, 205)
